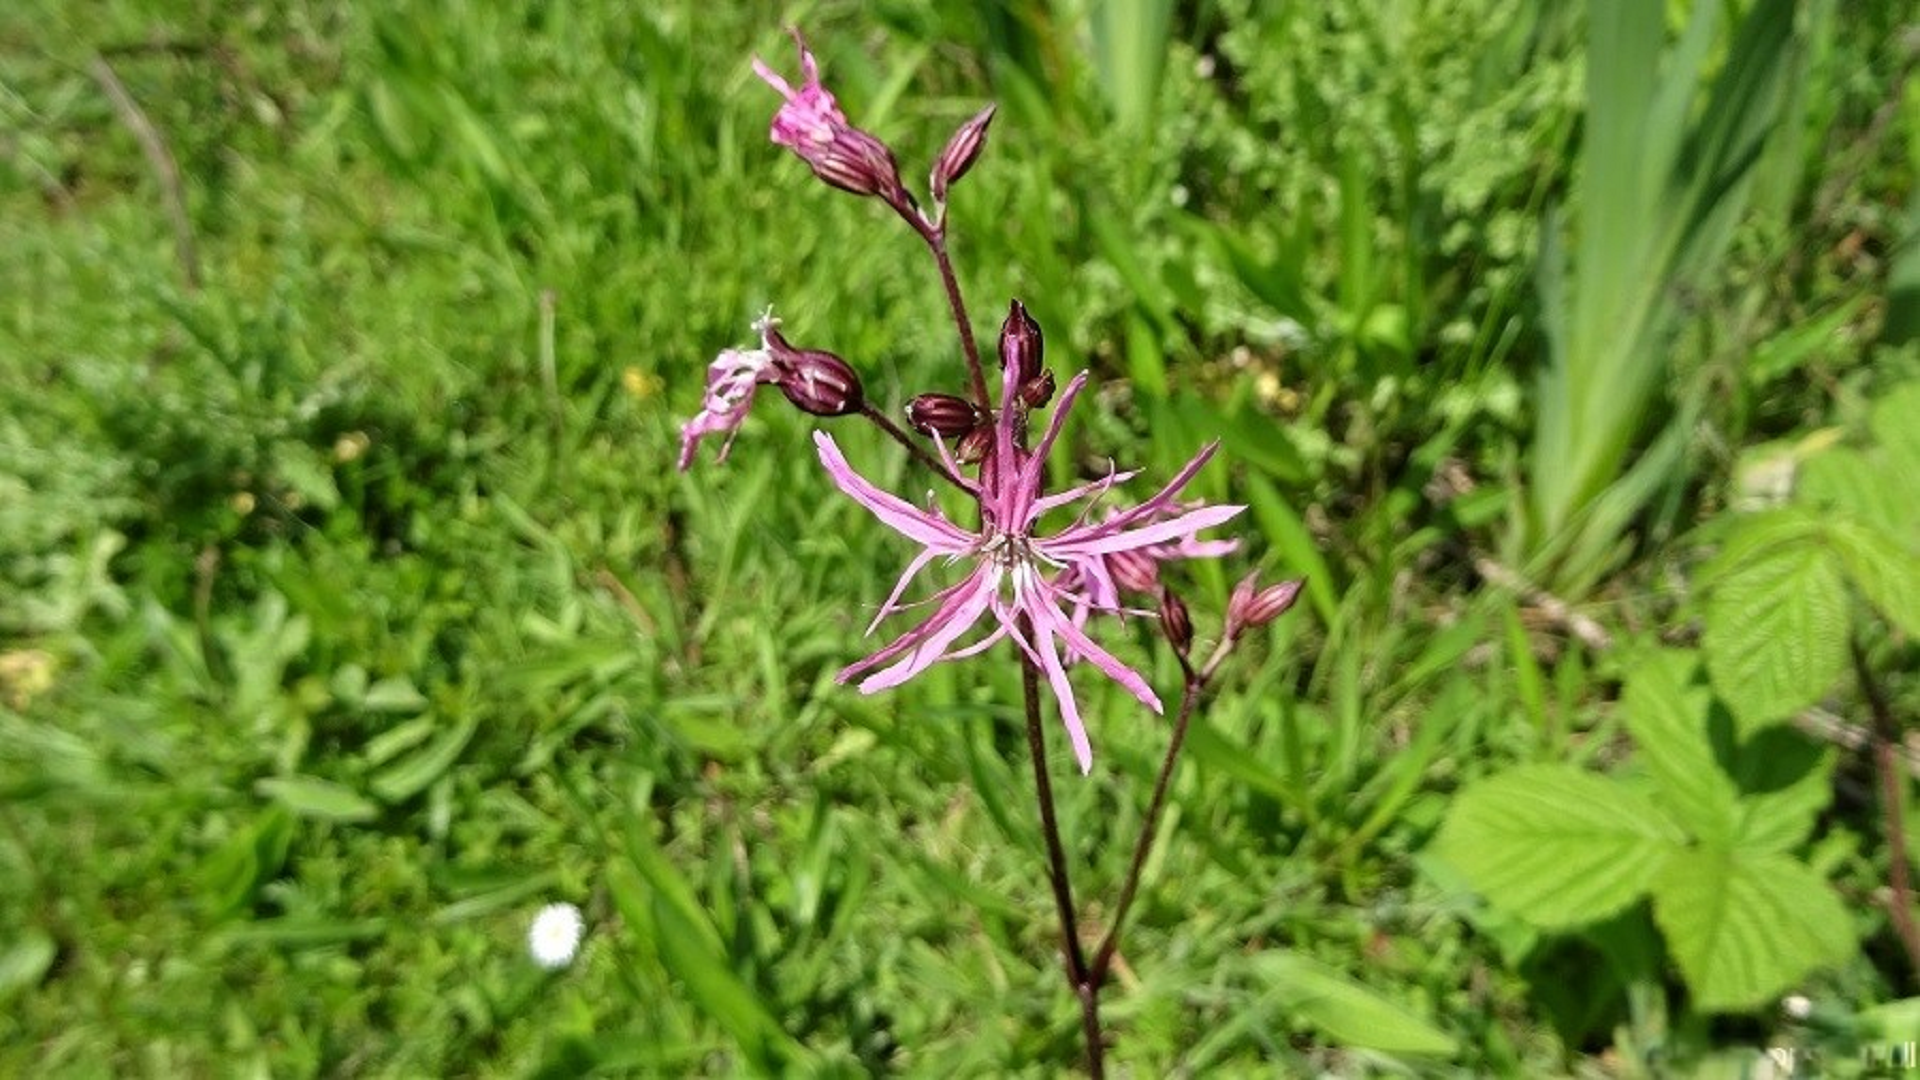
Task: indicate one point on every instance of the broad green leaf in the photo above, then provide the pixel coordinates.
(1892, 422)
(1892, 1021)
(249, 858)
(1885, 571)
(1246, 435)
(312, 797)
(1844, 479)
(1129, 42)
(1666, 710)
(410, 775)
(1792, 347)
(1662, 184)
(1786, 780)
(1754, 537)
(1146, 360)
(1352, 1013)
(1555, 845)
(1776, 634)
(25, 961)
(1745, 928)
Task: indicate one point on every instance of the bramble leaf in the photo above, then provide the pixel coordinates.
(1776, 633)
(1666, 710)
(1743, 928)
(1557, 846)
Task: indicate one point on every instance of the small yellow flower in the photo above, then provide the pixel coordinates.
(24, 675)
(638, 384)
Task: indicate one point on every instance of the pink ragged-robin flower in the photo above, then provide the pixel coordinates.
(1015, 571)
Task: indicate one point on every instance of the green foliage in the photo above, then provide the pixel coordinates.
(1776, 621)
(1778, 614)
(1347, 1010)
(1663, 183)
(1709, 843)
(350, 609)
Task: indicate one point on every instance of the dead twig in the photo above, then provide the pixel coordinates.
(1893, 801)
(165, 168)
(1555, 609)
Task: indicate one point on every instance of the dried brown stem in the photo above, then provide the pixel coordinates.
(161, 160)
(1893, 799)
(1559, 611)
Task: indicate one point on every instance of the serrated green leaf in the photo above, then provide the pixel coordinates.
(1758, 536)
(312, 797)
(1776, 634)
(1555, 845)
(1786, 780)
(1844, 479)
(1885, 571)
(1745, 928)
(1666, 710)
(1894, 428)
(1352, 1013)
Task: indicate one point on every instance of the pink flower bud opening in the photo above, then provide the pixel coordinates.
(961, 151)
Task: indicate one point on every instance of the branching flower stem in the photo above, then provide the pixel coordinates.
(936, 238)
(919, 452)
(1196, 684)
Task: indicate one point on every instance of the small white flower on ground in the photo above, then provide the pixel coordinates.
(1796, 1006)
(555, 935)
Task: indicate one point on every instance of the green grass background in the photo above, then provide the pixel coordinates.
(351, 608)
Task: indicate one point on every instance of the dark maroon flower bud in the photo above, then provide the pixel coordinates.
(1175, 622)
(1134, 570)
(1037, 392)
(816, 381)
(960, 153)
(1021, 343)
(857, 162)
(973, 449)
(944, 415)
(1250, 607)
